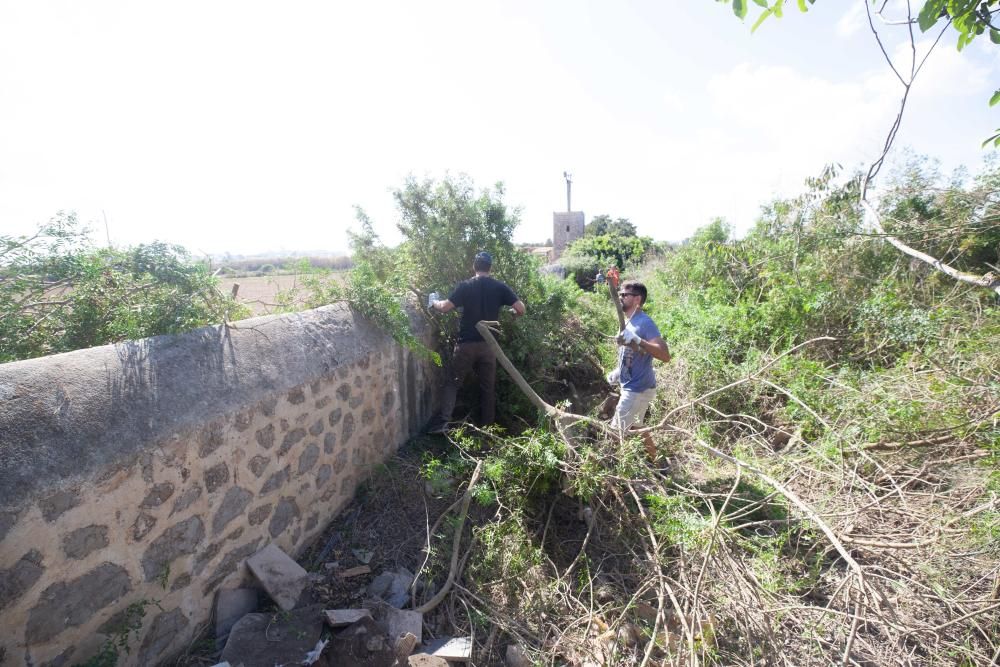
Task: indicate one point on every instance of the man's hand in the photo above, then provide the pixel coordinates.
(431, 298)
(629, 338)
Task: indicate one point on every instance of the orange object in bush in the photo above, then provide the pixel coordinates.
(613, 277)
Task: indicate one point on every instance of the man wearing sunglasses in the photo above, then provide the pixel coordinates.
(640, 343)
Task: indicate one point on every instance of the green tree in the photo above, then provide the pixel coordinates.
(58, 293)
(587, 256)
(444, 224)
(603, 224)
(969, 18)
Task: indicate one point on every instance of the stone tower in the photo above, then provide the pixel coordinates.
(566, 227)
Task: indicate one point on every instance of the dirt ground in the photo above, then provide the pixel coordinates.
(384, 527)
(258, 292)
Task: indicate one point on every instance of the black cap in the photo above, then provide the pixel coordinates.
(483, 259)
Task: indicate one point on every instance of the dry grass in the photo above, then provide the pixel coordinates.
(261, 293)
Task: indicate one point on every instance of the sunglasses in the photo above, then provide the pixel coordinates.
(627, 294)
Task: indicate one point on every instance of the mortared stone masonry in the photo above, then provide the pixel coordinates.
(152, 469)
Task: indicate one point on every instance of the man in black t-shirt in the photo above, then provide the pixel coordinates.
(480, 298)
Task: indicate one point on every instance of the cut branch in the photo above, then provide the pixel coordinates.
(990, 280)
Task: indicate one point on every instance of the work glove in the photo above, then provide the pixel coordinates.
(629, 338)
(431, 298)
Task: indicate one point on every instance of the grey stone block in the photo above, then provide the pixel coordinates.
(265, 436)
(259, 514)
(143, 524)
(162, 633)
(16, 581)
(210, 438)
(7, 521)
(308, 458)
(452, 649)
(285, 513)
(347, 430)
(258, 464)
(291, 439)
(282, 578)
(186, 499)
(158, 495)
(265, 640)
(230, 562)
(276, 481)
(73, 603)
(177, 540)
(216, 477)
(58, 503)
(230, 606)
(82, 542)
(338, 618)
(232, 506)
(401, 621)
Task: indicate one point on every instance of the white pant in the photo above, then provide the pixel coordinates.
(632, 407)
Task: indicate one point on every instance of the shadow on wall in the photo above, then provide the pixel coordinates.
(72, 413)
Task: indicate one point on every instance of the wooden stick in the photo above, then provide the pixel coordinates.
(618, 306)
(453, 572)
(536, 400)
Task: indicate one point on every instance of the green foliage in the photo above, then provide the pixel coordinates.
(524, 469)
(57, 293)
(587, 256)
(444, 224)
(808, 269)
(376, 301)
(954, 219)
(676, 520)
(601, 225)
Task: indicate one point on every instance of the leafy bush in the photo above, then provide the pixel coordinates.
(590, 254)
(444, 224)
(57, 293)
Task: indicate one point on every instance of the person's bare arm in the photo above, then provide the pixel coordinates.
(444, 306)
(518, 308)
(656, 347)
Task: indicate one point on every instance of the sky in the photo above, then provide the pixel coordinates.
(246, 127)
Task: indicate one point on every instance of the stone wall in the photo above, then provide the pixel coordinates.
(151, 469)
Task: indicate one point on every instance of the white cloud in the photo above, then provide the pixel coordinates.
(853, 20)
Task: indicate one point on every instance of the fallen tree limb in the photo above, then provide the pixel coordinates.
(990, 281)
(456, 542)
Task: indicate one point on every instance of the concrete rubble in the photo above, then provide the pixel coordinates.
(339, 618)
(424, 660)
(230, 606)
(451, 649)
(282, 578)
(393, 587)
(264, 640)
(380, 634)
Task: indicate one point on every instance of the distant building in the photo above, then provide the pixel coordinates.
(566, 228)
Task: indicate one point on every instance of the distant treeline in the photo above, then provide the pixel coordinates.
(267, 265)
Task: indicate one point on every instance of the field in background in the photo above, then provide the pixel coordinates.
(258, 293)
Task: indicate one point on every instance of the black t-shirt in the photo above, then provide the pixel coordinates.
(480, 298)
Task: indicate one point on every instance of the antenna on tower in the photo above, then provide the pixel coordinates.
(569, 183)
